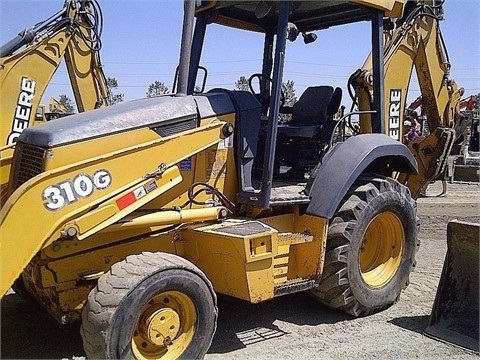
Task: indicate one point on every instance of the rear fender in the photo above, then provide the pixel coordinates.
(340, 168)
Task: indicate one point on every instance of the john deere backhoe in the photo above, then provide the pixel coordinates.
(29, 61)
(146, 210)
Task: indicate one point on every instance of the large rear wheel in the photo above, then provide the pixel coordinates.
(150, 306)
(371, 247)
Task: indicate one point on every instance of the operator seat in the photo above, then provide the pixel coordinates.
(311, 107)
(300, 142)
(312, 114)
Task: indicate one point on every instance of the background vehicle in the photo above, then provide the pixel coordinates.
(467, 129)
(29, 61)
(140, 222)
(464, 155)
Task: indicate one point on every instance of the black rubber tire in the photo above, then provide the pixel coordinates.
(114, 305)
(21, 290)
(342, 286)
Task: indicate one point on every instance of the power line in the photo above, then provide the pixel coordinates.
(251, 60)
(176, 63)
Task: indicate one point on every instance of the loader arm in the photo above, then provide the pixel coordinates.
(29, 61)
(109, 189)
(415, 42)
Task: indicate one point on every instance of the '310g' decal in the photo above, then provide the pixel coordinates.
(57, 196)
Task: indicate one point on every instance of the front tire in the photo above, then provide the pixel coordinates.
(371, 247)
(21, 290)
(150, 306)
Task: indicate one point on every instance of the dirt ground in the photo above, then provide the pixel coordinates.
(294, 326)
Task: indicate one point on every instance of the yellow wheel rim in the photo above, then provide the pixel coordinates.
(166, 326)
(382, 249)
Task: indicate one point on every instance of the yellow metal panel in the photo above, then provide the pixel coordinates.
(95, 217)
(234, 267)
(66, 247)
(303, 239)
(310, 255)
(101, 259)
(283, 223)
(215, 166)
(169, 179)
(88, 149)
(281, 271)
(283, 249)
(46, 226)
(392, 8)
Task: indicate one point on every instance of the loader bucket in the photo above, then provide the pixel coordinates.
(455, 315)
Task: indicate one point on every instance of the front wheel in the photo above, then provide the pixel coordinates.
(371, 247)
(150, 306)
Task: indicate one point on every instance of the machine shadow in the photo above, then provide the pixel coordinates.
(417, 324)
(241, 323)
(29, 332)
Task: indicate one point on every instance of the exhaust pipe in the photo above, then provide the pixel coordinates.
(185, 47)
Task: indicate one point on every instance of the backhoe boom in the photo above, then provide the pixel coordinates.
(29, 61)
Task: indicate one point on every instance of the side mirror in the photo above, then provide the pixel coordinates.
(309, 38)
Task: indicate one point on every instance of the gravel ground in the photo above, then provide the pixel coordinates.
(293, 326)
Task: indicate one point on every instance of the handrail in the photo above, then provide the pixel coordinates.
(342, 119)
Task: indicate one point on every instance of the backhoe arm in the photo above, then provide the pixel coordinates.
(30, 60)
(84, 67)
(24, 75)
(415, 42)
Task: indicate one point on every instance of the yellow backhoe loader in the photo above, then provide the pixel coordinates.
(29, 61)
(141, 221)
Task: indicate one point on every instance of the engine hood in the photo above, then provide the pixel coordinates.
(150, 112)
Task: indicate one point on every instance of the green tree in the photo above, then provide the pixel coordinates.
(288, 90)
(242, 84)
(112, 97)
(67, 104)
(156, 89)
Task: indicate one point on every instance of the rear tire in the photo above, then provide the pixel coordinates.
(152, 305)
(371, 247)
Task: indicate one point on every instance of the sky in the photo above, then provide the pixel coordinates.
(141, 45)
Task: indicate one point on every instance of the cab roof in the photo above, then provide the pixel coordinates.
(262, 16)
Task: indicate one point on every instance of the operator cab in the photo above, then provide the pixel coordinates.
(278, 144)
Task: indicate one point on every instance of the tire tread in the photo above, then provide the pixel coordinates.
(111, 288)
(334, 289)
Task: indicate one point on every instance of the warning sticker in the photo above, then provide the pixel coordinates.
(226, 143)
(186, 165)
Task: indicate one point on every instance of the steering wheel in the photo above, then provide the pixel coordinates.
(264, 98)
